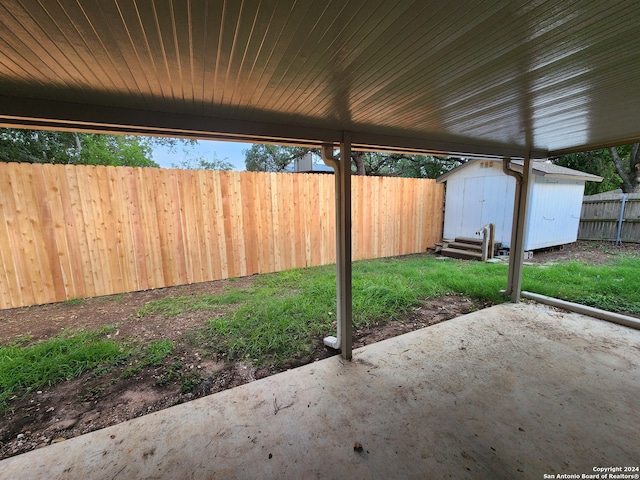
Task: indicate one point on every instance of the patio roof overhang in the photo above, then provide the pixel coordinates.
(481, 79)
(477, 78)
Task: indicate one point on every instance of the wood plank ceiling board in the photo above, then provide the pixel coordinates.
(489, 78)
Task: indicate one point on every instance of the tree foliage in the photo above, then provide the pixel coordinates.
(72, 148)
(272, 158)
(191, 160)
(200, 163)
(618, 166)
(275, 158)
(414, 166)
(626, 160)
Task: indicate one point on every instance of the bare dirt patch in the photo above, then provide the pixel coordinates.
(590, 252)
(97, 400)
(106, 397)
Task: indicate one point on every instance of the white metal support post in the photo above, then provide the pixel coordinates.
(342, 169)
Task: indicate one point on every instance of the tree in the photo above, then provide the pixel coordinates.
(35, 146)
(191, 161)
(200, 163)
(44, 146)
(626, 160)
(414, 166)
(114, 150)
(618, 166)
(274, 158)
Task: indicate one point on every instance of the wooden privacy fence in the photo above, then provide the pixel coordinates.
(83, 231)
(601, 215)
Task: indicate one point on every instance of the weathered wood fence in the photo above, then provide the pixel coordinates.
(82, 231)
(601, 214)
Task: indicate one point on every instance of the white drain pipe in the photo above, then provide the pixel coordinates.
(342, 167)
(332, 161)
(618, 318)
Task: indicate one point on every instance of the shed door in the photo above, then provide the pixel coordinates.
(498, 206)
(473, 200)
(487, 200)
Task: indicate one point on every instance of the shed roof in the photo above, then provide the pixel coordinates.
(539, 167)
(485, 78)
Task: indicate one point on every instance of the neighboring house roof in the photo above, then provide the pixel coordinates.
(539, 167)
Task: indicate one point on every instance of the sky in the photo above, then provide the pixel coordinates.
(228, 151)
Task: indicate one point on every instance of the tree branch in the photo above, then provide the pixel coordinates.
(634, 163)
(627, 184)
(634, 158)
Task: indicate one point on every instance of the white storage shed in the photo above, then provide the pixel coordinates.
(479, 192)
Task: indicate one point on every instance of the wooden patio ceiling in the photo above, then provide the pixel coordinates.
(490, 78)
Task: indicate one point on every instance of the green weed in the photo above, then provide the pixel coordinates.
(26, 368)
(171, 373)
(153, 355)
(610, 286)
(157, 352)
(171, 307)
(73, 301)
(283, 316)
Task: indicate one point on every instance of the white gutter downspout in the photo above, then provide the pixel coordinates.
(516, 204)
(330, 160)
(344, 306)
(518, 227)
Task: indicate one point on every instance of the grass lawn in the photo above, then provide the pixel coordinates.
(282, 314)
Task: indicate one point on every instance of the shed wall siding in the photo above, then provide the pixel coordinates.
(481, 193)
(554, 212)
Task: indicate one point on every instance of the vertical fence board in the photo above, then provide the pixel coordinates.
(298, 229)
(47, 228)
(203, 199)
(137, 233)
(179, 230)
(236, 235)
(317, 247)
(249, 226)
(12, 290)
(94, 269)
(149, 188)
(81, 231)
(375, 225)
(113, 207)
(121, 202)
(190, 236)
(60, 257)
(162, 217)
(219, 234)
(287, 220)
(227, 223)
(30, 239)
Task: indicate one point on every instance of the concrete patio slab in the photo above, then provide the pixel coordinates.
(513, 391)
